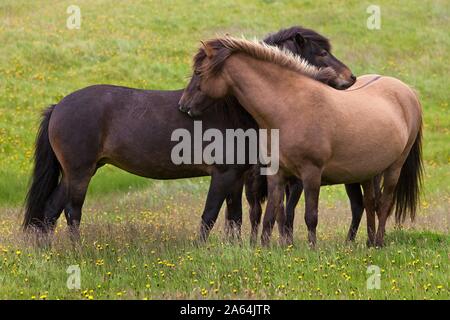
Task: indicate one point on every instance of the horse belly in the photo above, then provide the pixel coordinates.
(148, 157)
(359, 162)
(368, 138)
(338, 173)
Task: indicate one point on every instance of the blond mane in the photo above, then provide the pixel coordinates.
(225, 46)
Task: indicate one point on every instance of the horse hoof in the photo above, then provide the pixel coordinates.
(370, 244)
(286, 242)
(201, 240)
(312, 245)
(379, 244)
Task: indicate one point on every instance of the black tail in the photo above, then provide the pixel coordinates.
(45, 178)
(256, 185)
(406, 195)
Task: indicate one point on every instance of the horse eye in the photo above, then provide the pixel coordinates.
(323, 54)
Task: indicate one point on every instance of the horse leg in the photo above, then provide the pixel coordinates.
(356, 203)
(391, 177)
(370, 206)
(55, 205)
(274, 208)
(255, 192)
(311, 183)
(77, 188)
(53, 209)
(376, 181)
(255, 213)
(293, 194)
(233, 211)
(221, 183)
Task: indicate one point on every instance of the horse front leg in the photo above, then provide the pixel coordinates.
(219, 188)
(233, 213)
(370, 206)
(255, 213)
(274, 208)
(293, 193)
(311, 177)
(255, 192)
(357, 206)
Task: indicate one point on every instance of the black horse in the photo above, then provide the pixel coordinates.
(132, 128)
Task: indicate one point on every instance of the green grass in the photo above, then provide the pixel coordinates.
(147, 44)
(142, 245)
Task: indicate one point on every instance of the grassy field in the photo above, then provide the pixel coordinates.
(137, 234)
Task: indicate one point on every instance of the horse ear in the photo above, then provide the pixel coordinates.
(299, 39)
(208, 49)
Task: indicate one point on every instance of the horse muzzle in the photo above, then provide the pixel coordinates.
(342, 84)
(185, 109)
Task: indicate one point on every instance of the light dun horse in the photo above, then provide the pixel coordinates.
(326, 136)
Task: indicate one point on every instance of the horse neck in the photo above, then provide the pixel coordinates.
(228, 111)
(257, 85)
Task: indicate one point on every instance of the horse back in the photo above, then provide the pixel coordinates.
(131, 129)
(364, 120)
(403, 99)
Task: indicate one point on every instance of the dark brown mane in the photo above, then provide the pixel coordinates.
(276, 39)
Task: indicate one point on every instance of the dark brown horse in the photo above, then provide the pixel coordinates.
(131, 129)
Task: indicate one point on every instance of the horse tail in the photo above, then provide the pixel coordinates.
(45, 177)
(406, 194)
(256, 185)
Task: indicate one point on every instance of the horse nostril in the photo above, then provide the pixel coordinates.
(353, 77)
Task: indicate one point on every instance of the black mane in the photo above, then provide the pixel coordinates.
(283, 35)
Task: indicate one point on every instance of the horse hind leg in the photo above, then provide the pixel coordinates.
(52, 211)
(55, 205)
(390, 180)
(77, 187)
